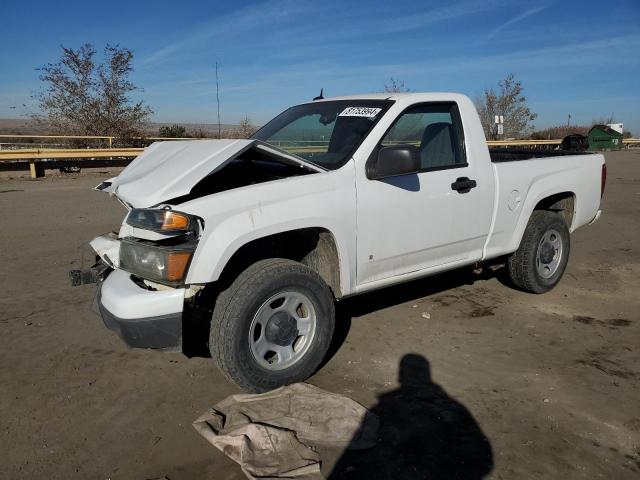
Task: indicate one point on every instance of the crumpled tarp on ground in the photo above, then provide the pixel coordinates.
(269, 434)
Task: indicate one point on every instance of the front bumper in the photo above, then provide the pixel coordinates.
(143, 318)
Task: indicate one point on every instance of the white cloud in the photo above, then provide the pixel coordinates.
(221, 28)
(518, 18)
(283, 21)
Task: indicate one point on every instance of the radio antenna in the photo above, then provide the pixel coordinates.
(218, 100)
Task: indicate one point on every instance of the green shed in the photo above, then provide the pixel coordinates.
(603, 137)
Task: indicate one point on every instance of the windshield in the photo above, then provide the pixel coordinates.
(324, 133)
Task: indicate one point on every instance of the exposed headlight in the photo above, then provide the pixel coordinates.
(163, 221)
(163, 264)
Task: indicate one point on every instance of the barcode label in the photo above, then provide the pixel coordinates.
(368, 112)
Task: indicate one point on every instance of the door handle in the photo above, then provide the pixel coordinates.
(463, 185)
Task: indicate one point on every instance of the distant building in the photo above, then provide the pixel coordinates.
(603, 137)
(618, 127)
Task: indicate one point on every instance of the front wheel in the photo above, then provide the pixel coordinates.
(542, 257)
(272, 326)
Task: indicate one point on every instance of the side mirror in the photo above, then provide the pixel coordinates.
(394, 161)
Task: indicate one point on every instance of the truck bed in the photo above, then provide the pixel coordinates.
(517, 154)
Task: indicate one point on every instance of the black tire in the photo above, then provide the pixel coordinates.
(522, 266)
(234, 311)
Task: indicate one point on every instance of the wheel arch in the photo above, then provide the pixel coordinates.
(563, 202)
(315, 247)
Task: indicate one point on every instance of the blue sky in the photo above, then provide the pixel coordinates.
(573, 57)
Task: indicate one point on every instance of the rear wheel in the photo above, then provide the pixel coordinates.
(272, 326)
(541, 259)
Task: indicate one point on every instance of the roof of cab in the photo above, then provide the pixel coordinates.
(409, 97)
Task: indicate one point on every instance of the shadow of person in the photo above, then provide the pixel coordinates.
(423, 434)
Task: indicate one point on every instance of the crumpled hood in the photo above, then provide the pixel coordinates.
(167, 170)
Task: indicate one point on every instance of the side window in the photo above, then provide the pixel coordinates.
(435, 128)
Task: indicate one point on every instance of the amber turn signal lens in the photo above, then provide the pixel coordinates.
(175, 221)
(160, 220)
(177, 265)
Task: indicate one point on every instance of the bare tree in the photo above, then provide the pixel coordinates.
(604, 120)
(200, 133)
(509, 102)
(82, 97)
(244, 129)
(395, 86)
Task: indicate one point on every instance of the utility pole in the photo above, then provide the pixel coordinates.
(568, 120)
(218, 100)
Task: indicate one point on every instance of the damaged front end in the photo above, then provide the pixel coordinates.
(86, 276)
(140, 279)
(103, 246)
(174, 172)
(141, 271)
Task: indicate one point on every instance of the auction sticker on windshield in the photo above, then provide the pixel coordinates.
(368, 112)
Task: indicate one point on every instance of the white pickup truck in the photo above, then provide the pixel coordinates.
(330, 199)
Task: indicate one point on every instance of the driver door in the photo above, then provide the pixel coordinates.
(422, 222)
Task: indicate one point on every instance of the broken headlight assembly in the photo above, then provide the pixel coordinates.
(165, 264)
(163, 221)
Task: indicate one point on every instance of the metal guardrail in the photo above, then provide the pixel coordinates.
(111, 138)
(37, 158)
(22, 135)
(91, 137)
(520, 143)
(44, 153)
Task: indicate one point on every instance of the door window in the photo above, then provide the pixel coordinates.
(436, 129)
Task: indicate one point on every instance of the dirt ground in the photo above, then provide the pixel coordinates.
(538, 386)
